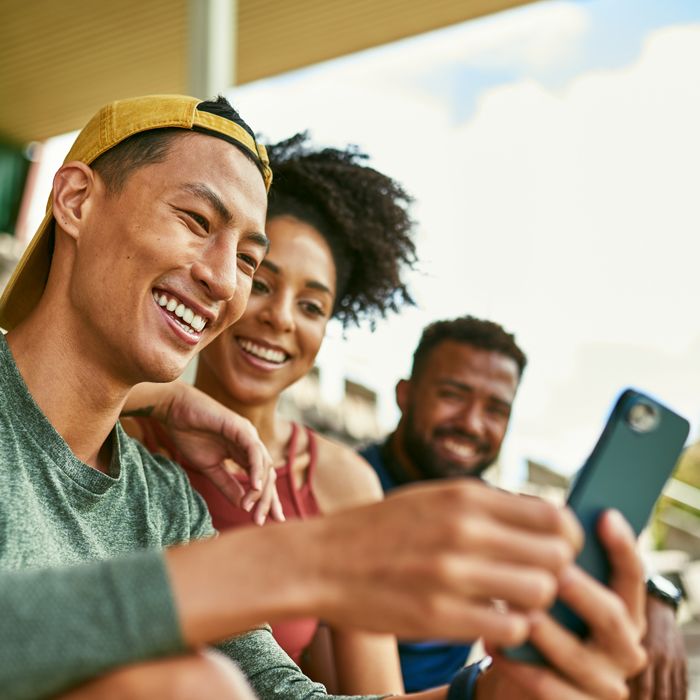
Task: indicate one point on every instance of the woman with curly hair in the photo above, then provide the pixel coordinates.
(340, 240)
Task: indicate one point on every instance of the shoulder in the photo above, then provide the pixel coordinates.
(171, 497)
(343, 479)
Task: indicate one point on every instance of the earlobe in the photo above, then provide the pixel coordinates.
(72, 186)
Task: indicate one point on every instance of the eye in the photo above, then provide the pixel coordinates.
(201, 221)
(249, 263)
(499, 410)
(259, 287)
(450, 395)
(311, 308)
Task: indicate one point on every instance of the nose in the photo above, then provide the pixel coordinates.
(472, 419)
(278, 312)
(216, 270)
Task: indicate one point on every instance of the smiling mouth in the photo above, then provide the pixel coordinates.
(461, 450)
(186, 318)
(271, 355)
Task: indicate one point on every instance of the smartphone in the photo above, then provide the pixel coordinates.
(634, 457)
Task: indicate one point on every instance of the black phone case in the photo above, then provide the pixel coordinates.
(627, 470)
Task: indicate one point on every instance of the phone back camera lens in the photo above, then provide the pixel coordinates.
(643, 417)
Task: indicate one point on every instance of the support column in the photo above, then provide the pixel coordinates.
(212, 55)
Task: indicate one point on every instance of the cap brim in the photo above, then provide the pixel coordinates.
(26, 285)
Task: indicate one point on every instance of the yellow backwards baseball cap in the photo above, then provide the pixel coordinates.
(110, 126)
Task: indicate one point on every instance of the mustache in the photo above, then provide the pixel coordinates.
(481, 445)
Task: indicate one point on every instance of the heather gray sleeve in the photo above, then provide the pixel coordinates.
(62, 626)
(273, 675)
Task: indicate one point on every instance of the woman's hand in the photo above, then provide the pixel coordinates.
(207, 434)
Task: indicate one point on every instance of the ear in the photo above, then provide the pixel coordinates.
(73, 185)
(403, 389)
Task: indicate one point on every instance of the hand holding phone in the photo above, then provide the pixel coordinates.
(634, 457)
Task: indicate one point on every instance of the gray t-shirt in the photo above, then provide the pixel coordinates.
(83, 583)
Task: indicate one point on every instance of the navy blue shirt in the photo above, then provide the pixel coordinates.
(424, 665)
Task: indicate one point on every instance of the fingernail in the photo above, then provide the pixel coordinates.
(247, 506)
(618, 520)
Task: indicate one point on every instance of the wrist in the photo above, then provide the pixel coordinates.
(665, 591)
(465, 684)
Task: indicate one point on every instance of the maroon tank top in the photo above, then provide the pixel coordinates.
(293, 635)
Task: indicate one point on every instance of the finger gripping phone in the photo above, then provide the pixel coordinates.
(632, 460)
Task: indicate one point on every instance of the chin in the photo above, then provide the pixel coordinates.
(161, 370)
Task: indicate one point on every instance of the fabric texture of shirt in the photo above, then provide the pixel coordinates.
(298, 503)
(424, 664)
(83, 582)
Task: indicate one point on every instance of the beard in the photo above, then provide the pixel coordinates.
(431, 464)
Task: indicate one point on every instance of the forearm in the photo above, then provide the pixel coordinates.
(64, 626)
(366, 662)
(242, 578)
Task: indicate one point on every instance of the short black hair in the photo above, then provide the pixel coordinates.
(361, 213)
(479, 333)
(148, 147)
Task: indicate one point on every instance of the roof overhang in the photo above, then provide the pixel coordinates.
(60, 61)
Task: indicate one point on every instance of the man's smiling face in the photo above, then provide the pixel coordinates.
(455, 411)
(166, 262)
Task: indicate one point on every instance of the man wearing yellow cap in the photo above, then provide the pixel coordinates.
(165, 197)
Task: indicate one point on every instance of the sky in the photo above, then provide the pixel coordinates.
(553, 154)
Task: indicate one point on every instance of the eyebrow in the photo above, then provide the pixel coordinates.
(261, 239)
(312, 284)
(203, 191)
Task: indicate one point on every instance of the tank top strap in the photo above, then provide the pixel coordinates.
(313, 453)
(292, 447)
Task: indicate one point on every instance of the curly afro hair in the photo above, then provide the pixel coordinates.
(362, 214)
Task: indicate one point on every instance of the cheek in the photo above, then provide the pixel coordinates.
(497, 431)
(311, 336)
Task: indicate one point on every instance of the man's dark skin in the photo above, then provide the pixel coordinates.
(455, 412)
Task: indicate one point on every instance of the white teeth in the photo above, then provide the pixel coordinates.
(276, 356)
(460, 449)
(186, 315)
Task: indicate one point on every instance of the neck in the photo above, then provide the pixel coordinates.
(399, 458)
(74, 390)
(273, 430)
